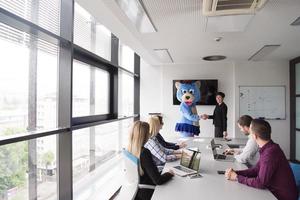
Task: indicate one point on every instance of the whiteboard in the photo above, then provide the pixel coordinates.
(262, 101)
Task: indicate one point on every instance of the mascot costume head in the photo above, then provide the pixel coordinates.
(188, 93)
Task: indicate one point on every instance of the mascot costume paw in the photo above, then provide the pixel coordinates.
(188, 94)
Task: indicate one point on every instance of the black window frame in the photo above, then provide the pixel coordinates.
(293, 96)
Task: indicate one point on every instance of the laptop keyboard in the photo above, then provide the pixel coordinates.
(220, 156)
(183, 169)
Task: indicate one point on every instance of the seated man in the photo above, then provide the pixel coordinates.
(249, 155)
(272, 170)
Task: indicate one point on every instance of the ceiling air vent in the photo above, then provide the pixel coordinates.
(231, 7)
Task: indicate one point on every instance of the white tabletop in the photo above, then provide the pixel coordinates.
(212, 185)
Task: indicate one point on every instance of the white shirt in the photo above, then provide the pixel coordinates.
(250, 153)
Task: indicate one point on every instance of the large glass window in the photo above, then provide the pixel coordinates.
(297, 145)
(297, 69)
(35, 88)
(15, 169)
(126, 94)
(90, 34)
(90, 90)
(36, 11)
(28, 84)
(298, 112)
(96, 160)
(126, 57)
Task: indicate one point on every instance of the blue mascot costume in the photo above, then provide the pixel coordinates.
(188, 93)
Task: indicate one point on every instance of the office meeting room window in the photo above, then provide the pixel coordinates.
(91, 34)
(103, 107)
(126, 94)
(297, 68)
(126, 57)
(28, 101)
(90, 90)
(97, 169)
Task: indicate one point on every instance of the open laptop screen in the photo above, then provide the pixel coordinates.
(190, 159)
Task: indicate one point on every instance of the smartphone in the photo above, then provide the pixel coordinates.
(221, 172)
(196, 176)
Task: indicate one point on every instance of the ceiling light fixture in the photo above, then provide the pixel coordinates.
(264, 51)
(296, 22)
(164, 55)
(214, 58)
(137, 14)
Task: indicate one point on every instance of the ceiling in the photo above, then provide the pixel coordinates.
(183, 31)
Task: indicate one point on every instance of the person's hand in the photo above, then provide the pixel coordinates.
(171, 172)
(204, 116)
(178, 151)
(178, 156)
(230, 174)
(225, 134)
(229, 151)
(233, 176)
(182, 145)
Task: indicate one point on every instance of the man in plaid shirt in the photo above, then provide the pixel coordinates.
(160, 154)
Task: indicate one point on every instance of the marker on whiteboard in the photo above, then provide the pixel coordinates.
(261, 117)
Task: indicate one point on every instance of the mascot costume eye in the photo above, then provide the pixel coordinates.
(188, 94)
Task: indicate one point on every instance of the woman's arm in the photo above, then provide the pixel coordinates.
(168, 145)
(151, 170)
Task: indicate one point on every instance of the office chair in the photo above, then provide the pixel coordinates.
(296, 171)
(131, 184)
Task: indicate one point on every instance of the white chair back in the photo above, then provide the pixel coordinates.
(131, 176)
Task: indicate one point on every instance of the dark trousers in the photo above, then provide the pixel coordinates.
(144, 194)
(218, 131)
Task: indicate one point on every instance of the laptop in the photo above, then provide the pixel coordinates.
(222, 157)
(189, 163)
(214, 145)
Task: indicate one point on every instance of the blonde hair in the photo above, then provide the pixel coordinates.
(138, 136)
(154, 123)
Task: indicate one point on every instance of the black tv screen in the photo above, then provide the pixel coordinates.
(208, 90)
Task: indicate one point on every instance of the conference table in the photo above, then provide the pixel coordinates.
(211, 185)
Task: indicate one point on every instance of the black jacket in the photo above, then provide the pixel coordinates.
(168, 145)
(151, 175)
(220, 116)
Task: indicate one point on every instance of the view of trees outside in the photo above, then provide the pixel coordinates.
(13, 166)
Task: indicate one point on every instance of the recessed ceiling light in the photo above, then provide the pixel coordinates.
(296, 22)
(218, 39)
(214, 58)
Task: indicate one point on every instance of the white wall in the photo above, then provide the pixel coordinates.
(156, 92)
(151, 96)
(265, 74)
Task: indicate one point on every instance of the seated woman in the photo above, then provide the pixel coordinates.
(156, 127)
(159, 153)
(149, 173)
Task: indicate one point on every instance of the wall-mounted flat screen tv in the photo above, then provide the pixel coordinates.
(208, 90)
